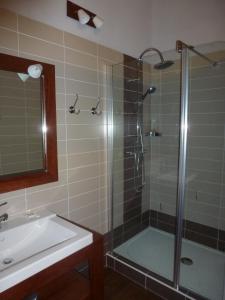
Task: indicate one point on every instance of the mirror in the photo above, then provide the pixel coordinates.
(28, 153)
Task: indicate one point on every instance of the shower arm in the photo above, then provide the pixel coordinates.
(151, 49)
(181, 45)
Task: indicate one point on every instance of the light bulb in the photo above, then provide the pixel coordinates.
(98, 22)
(35, 70)
(83, 16)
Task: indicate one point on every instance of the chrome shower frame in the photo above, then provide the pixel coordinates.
(184, 104)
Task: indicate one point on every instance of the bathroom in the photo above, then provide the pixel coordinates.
(139, 152)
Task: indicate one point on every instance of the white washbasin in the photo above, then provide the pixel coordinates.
(31, 243)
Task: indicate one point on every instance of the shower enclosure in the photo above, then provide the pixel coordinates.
(168, 176)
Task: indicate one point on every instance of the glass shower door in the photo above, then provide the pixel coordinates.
(162, 131)
(146, 114)
(202, 263)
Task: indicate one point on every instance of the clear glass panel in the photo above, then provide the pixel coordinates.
(146, 108)
(203, 257)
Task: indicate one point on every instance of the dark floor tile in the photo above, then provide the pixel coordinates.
(162, 290)
(130, 273)
(117, 287)
(110, 262)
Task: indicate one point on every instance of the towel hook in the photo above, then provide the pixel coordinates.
(73, 109)
(94, 110)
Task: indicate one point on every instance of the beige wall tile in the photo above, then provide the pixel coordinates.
(8, 51)
(89, 222)
(110, 54)
(61, 132)
(84, 145)
(41, 48)
(60, 101)
(84, 212)
(85, 131)
(9, 195)
(80, 59)
(61, 147)
(83, 173)
(60, 85)
(83, 200)
(81, 88)
(85, 117)
(15, 205)
(60, 208)
(62, 162)
(8, 39)
(8, 19)
(60, 116)
(80, 44)
(84, 186)
(78, 160)
(81, 74)
(45, 197)
(40, 30)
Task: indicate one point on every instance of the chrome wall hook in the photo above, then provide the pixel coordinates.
(94, 110)
(73, 109)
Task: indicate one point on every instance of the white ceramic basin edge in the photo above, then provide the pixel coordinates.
(29, 266)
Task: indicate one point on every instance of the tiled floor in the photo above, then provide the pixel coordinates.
(118, 287)
(154, 250)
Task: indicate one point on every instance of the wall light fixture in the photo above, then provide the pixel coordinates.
(83, 15)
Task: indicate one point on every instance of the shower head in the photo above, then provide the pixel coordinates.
(149, 91)
(161, 65)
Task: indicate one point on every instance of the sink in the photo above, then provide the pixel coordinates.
(31, 243)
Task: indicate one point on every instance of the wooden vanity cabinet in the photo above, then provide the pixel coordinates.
(62, 281)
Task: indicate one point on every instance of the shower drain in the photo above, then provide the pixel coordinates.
(7, 261)
(186, 261)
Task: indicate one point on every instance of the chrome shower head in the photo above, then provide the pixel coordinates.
(161, 65)
(149, 91)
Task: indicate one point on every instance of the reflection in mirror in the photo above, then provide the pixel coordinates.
(21, 122)
(28, 145)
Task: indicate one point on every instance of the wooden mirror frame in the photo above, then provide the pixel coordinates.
(15, 181)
